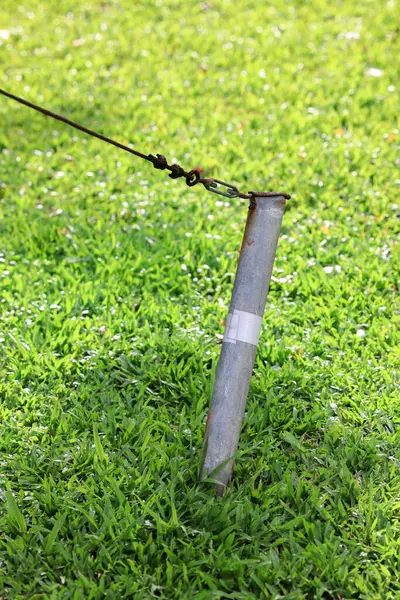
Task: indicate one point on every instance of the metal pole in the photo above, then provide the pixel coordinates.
(242, 331)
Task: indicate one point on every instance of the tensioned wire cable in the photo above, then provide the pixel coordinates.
(158, 161)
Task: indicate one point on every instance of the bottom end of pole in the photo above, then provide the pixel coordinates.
(219, 486)
(218, 473)
(220, 489)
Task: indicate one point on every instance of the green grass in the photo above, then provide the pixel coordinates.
(115, 282)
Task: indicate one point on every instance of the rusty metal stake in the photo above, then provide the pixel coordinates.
(242, 331)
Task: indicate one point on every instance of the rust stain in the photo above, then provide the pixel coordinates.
(249, 222)
(207, 423)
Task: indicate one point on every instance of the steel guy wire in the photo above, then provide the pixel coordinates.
(158, 161)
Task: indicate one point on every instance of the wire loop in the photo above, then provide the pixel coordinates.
(192, 178)
(159, 161)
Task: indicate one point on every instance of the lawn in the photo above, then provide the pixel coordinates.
(115, 283)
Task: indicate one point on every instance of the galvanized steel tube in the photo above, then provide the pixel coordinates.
(239, 346)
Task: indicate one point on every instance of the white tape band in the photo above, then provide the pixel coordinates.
(242, 326)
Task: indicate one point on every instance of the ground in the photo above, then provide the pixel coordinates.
(115, 284)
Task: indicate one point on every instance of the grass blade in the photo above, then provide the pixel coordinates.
(51, 538)
(14, 512)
